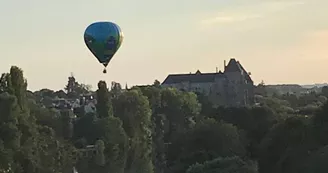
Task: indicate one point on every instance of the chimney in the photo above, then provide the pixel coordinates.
(224, 63)
(216, 69)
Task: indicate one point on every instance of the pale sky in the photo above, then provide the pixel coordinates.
(283, 41)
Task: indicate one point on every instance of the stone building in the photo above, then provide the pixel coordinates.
(232, 87)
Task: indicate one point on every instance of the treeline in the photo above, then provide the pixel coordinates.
(152, 129)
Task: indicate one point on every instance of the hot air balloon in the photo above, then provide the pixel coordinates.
(103, 39)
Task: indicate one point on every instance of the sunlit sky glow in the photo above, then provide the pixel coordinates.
(281, 41)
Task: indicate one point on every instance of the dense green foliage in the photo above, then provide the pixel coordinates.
(151, 129)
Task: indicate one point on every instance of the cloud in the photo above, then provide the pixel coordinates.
(230, 18)
(249, 12)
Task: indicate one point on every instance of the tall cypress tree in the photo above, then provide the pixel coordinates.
(18, 85)
(104, 107)
(132, 107)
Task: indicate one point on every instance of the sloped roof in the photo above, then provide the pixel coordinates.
(192, 78)
(235, 66)
(245, 72)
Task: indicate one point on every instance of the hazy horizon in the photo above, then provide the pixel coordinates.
(280, 42)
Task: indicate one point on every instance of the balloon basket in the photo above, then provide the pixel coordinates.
(104, 71)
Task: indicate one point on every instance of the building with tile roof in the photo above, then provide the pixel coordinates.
(232, 87)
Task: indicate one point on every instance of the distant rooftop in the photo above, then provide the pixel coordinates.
(198, 77)
(193, 78)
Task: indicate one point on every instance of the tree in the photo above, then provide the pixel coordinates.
(26, 146)
(324, 91)
(159, 149)
(116, 87)
(157, 84)
(148, 129)
(74, 89)
(16, 85)
(320, 122)
(286, 146)
(85, 128)
(207, 141)
(110, 131)
(181, 109)
(104, 107)
(255, 121)
(100, 157)
(316, 163)
(67, 124)
(207, 108)
(153, 93)
(132, 107)
(224, 165)
(60, 94)
(261, 89)
(107, 133)
(9, 133)
(46, 117)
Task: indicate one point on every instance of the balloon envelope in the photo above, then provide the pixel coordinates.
(103, 39)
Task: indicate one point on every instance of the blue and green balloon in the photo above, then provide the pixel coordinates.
(103, 39)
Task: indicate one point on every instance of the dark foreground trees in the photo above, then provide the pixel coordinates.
(151, 129)
(25, 145)
(225, 165)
